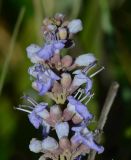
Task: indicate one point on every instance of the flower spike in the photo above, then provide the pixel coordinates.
(66, 81)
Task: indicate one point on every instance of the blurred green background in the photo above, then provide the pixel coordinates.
(106, 33)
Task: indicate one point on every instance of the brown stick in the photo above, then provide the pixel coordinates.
(104, 114)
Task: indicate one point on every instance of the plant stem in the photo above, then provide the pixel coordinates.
(11, 48)
(104, 114)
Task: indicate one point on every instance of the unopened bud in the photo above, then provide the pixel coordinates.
(62, 129)
(49, 144)
(76, 119)
(64, 143)
(62, 33)
(66, 61)
(55, 114)
(35, 145)
(85, 59)
(66, 80)
(42, 158)
(59, 16)
(75, 26)
(67, 115)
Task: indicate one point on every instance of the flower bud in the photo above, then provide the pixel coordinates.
(66, 61)
(64, 143)
(55, 114)
(42, 157)
(75, 26)
(35, 145)
(67, 115)
(59, 16)
(62, 33)
(51, 27)
(49, 144)
(62, 129)
(66, 80)
(76, 119)
(85, 59)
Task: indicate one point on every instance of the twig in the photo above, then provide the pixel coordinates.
(11, 48)
(104, 114)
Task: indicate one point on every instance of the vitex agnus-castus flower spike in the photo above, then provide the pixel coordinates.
(61, 78)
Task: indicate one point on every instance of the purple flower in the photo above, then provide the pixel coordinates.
(41, 86)
(50, 49)
(44, 78)
(84, 136)
(80, 108)
(80, 78)
(35, 119)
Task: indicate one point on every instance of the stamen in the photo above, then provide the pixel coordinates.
(31, 100)
(82, 91)
(102, 68)
(84, 98)
(25, 106)
(91, 96)
(79, 90)
(21, 109)
(88, 67)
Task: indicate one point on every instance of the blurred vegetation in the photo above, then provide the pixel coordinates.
(106, 33)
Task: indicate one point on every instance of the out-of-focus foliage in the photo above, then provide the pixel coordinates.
(106, 33)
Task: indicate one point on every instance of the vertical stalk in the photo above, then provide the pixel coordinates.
(104, 114)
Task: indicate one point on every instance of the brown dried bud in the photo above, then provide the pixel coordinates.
(67, 61)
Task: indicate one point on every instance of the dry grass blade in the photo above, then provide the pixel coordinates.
(11, 48)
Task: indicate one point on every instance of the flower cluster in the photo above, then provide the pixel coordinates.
(67, 82)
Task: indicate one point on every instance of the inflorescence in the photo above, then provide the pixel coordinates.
(67, 82)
